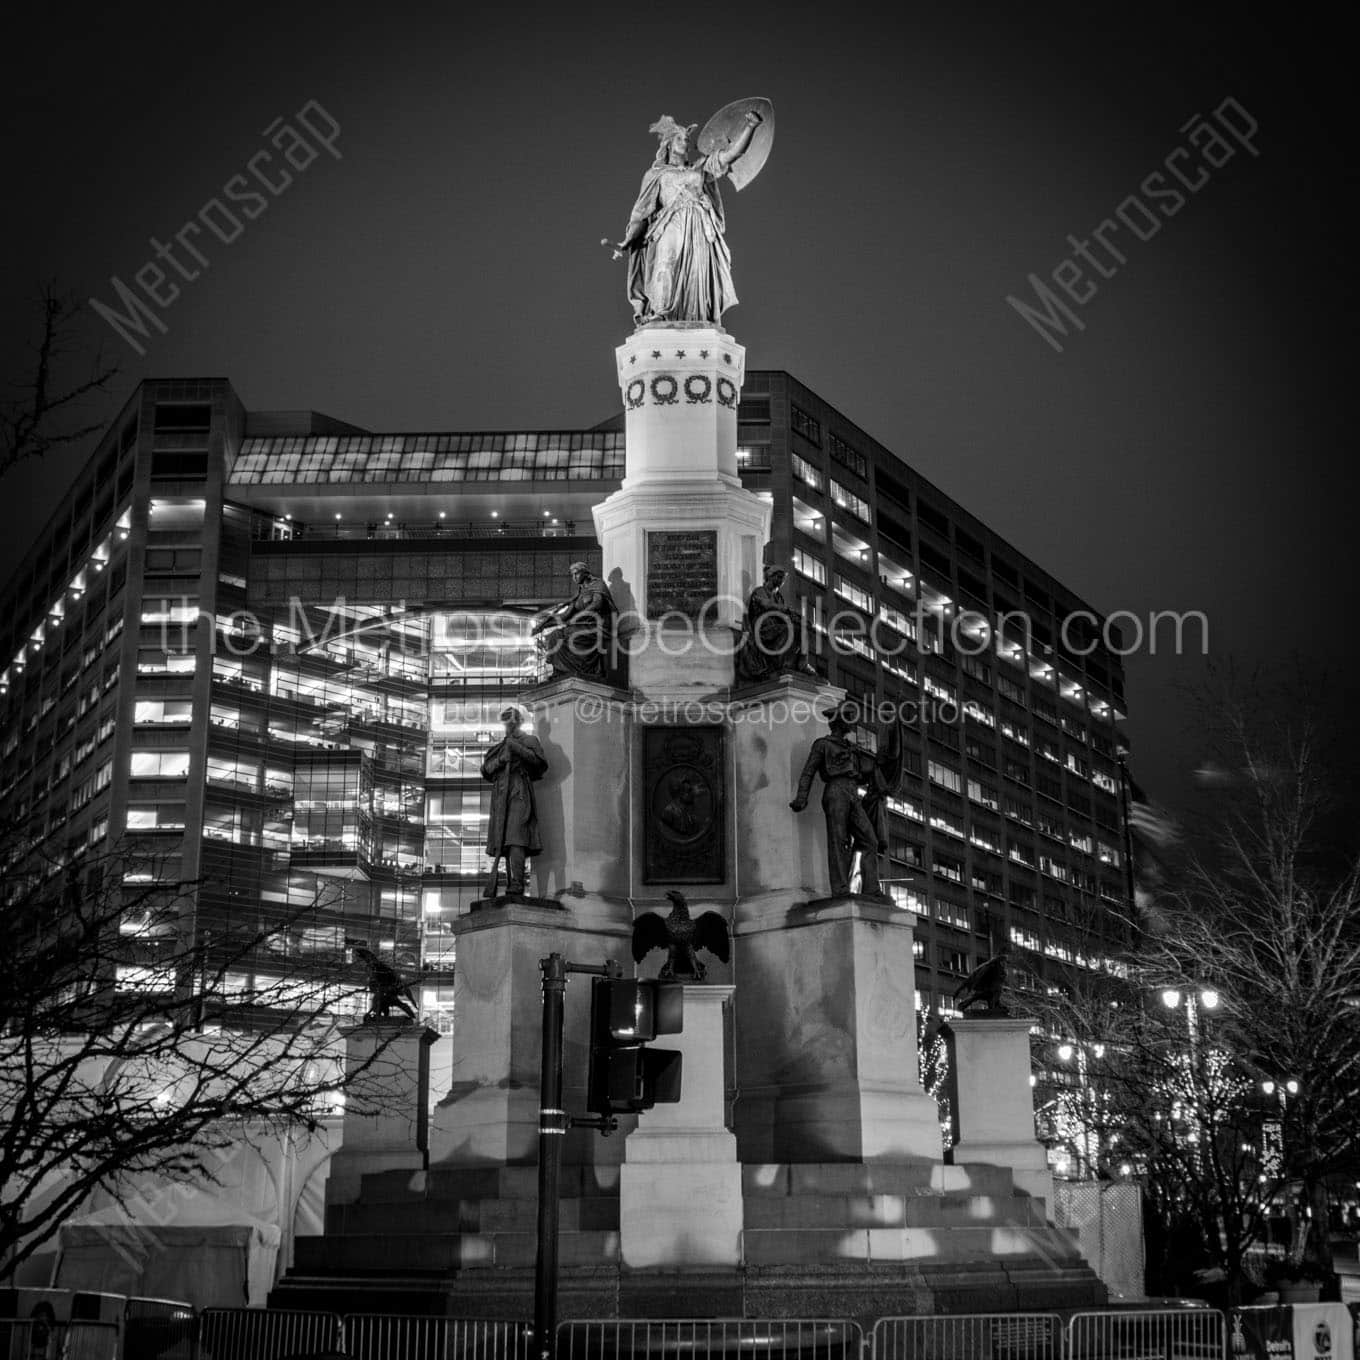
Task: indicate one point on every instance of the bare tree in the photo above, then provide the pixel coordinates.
(1248, 1086)
(45, 409)
(134, 1042)
(1266, 912)
(1139, 1084)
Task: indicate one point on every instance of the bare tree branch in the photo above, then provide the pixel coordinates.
(46, 409)
(128, 1045)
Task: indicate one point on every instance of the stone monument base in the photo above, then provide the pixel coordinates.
(832, 1240)
(993, 1102)
(515, 900)
(680, 1188)
(822, 1037)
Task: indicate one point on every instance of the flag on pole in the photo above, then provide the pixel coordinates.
(1151, 832)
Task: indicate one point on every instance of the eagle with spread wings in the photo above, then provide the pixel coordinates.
(682, 936)
(986, 983)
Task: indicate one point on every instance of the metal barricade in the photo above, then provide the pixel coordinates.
(38, 1339)
(1151, 1334)
(969, 1336)
(379, 1336)
(698, 1339)
(265, 1333)
(158, 1329)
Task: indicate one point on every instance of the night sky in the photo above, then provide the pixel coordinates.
(1184, 451)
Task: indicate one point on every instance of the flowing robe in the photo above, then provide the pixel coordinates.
(773, 640)
(682, 268)
(581, 646)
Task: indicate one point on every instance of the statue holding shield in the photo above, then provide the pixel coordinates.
(679, 265)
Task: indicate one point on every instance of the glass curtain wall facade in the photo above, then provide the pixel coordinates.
(163, 688)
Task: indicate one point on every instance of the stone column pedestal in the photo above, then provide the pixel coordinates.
(585, 729)
(386, 1104)
(826, 1035)
(680, 1199)
(682, 538)
(993, 1103)
(489, 1116)
(781, 854)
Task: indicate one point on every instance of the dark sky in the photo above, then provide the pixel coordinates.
(1184, 451)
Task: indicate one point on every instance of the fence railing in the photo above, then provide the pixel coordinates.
(690, 1338)
(1162, 1334)
(266, 1333)
(155, 1329)
(400, 1337)
(1190, 1333)
(970, 1336)
(35, 1339)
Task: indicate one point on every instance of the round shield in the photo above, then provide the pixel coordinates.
(728, 124)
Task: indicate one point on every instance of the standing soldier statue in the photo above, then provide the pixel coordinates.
(512, 766)
(845, 770)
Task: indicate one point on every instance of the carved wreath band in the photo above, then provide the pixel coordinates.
(665, 390)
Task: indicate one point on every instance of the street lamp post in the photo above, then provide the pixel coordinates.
(1273, 1159)
(1089, 1103)
(1205, 998)
(1283, 1090)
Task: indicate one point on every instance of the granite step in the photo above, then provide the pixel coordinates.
(392, 1292)
(467, 1216)
(446, 1251)
(488, 1182)
(517, 1182)
(892, 1211)
(874, 1178)
(1046, 1247)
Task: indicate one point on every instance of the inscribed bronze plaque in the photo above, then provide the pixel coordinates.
(684, 809)
(682, 571)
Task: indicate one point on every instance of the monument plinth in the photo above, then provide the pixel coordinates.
(386, 1107)
(993, 1102)
(682, 540)
(489, 1115)
(826, 1035)
(680, 1197)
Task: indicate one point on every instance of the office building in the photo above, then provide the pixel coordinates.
(268, 649)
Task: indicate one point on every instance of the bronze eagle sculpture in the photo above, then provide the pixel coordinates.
(682, 937)
(985, 983)
(386, 989)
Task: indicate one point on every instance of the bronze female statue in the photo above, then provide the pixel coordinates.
(679, 266)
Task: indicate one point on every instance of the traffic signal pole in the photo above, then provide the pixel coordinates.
(552, 1129)
(553, 1123)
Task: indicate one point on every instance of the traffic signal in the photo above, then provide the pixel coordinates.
(625, 1015)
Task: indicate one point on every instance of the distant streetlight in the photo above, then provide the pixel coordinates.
(1065, 1052)
(1209, 998)
(1290, 1086)
(1171, 998)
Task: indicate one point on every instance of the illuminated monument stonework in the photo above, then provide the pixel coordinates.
(824, 1189)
